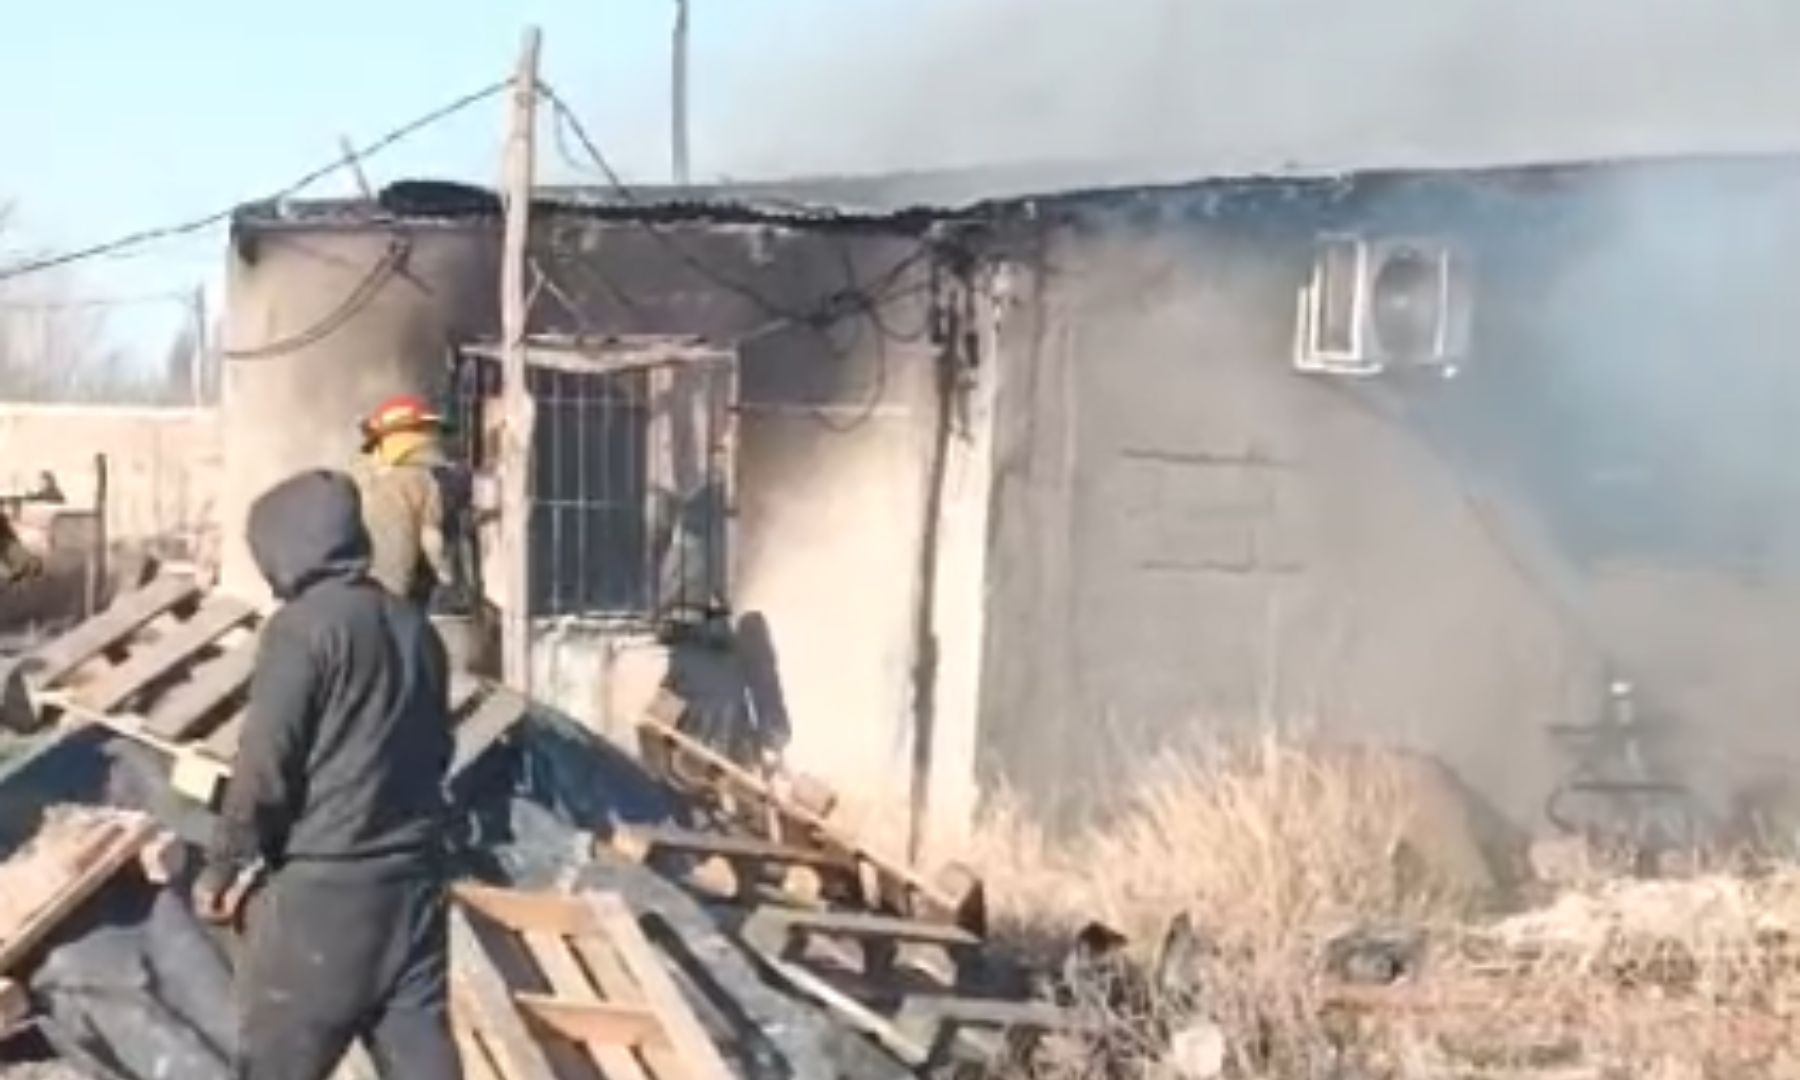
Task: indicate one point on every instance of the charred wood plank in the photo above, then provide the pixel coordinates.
(186, 706)
(129, 613)
(217, 616)
(492, 719)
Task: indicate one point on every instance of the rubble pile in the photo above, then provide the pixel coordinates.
(778, 943)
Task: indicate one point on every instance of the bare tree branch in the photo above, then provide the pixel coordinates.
(53, 348)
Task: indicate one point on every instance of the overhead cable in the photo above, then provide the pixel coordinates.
(154, 234)
(851, 300)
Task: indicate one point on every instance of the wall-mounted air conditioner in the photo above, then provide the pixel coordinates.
(1375, 304)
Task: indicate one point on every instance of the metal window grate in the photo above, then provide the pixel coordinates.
(589, 489)
(629, 486)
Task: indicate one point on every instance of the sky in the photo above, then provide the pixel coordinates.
(118, 114)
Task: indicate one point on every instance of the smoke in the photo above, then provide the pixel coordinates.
(1642, 395)
(1631, 402)
(1165, 87)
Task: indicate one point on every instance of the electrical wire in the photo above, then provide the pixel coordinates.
(844, 303)
(158, 233)
(359, 297)
(872, 404)
(853, 302)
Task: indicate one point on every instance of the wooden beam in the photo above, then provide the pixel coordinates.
(616, 984)
(692, 1045)
(521, 912)
(199, 777)
(937, 1022)
(692, 767)
(852, 1011)
(463, 690)
(492, 719)
(114, 845)
(775, 929)
(476, 1063)
(127, 614)
(640, 842)
(556, 961)
(353, 162)
(593, 1024)
(222, 744)
(15, 1005)
(517, 408)
(178, 713)
(217, 616)
(478, 986)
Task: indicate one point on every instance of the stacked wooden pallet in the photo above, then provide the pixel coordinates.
(757, 826)
(898, 956)
(547, 987)
(170, 664)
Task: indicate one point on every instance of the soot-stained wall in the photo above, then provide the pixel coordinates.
(323, 322)
(834, 436)
(834, 442)
(1191, 539)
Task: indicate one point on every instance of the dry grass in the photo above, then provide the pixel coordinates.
(1277, 849)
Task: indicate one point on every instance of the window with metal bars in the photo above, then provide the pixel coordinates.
(629, 486)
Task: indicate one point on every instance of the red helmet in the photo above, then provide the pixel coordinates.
(404, 412)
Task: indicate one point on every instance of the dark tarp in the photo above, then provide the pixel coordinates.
(139, 986)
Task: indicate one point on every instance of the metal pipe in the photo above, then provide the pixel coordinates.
(678, 94)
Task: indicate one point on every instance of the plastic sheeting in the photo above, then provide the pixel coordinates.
(143, 988)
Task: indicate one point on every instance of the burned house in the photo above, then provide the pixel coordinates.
(1019, 490)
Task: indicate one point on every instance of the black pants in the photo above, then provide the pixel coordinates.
(339, 953)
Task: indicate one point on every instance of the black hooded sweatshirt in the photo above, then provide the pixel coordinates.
(347, 738)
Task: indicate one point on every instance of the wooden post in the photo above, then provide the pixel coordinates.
(197, 357)
(96, 564)
(517, 408)
(354, 163)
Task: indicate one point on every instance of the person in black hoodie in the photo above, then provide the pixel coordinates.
(335, 808)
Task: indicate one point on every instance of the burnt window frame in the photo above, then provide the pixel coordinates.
(624, 399)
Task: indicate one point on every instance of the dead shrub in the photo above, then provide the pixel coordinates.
(1277, 849)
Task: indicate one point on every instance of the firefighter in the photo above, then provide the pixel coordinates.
(402, 478)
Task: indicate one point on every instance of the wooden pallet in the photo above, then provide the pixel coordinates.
(925, 1027)
(169, 665)
(49, 881)
(745, 803)
(548, 986)
(740, 868)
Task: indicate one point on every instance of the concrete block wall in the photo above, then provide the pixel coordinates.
(164, 466)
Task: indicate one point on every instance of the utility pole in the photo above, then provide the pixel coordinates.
(517, 409)
(200, 357)
(678, 94)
